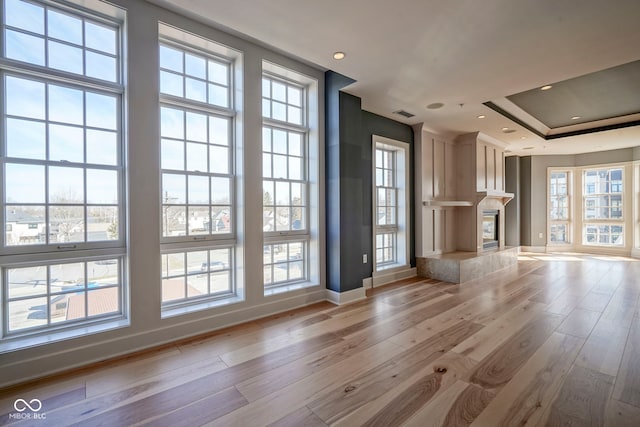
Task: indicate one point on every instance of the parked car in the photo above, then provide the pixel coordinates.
(213, 266)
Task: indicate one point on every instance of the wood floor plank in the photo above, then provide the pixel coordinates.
(303, 417)
(194, 414)
(595, 301)
(604, 348)
(481, 344)
(582, 399)
(457, 406)
(524, 399)
(503, 363)
(350, 395)
(627, 387)
(399, 403)
(161, 385)
(271, 407)
(579, 322)
(621, 414)
(274, 379)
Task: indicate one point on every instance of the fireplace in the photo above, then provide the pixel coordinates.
(490, 229)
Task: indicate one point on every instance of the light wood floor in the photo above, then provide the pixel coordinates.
(555, 341)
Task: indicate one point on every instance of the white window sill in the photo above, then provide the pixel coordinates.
(47, 337)
(199, 306)
(288, 288)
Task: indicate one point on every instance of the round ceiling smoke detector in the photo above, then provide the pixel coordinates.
(435, 105)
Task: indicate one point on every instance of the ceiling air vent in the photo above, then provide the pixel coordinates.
(403, 113)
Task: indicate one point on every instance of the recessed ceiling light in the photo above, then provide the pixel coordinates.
(481, 116)
(523, 137)
(339, 55)
(575, 117)
(547, 87)
(528, 148)
(435, 105)
(503, 129)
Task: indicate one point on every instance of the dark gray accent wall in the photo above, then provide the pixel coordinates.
(525, 201)
(333, 176)
(349, 186)
(512, 210)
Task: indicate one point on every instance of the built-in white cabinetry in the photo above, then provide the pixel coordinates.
(455, 181)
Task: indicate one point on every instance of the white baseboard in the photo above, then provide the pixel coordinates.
(340, 298)
(635, 252)
(367, 283)
(384, 278)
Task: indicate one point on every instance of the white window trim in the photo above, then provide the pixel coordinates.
(631, 213)
(569, 222)
(183, 40)
(402, 180)
(313, 171)
(50, 254)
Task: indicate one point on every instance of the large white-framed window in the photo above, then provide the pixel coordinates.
(559, 207)
(290, 179)
(62, 253)
(390, 203)
(602, 207)
(198, 167)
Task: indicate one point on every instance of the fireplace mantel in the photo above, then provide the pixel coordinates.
(501, 196)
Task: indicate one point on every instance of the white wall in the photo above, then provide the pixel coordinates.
(146, 327)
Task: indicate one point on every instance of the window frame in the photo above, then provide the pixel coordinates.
(274, 73)
(604, 222)
(568, 221)
(210, 50)
(401, 229)
(51, 254)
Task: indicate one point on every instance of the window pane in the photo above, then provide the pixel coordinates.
(195, 66)
(171, 84)
(66, 185)
(102, 147)
(102, 187)
(173, 189)
(24, 184)
(64, 27)
(196, 157)
(101, 66)
(24, 47)
(66, 224)
(102, 223)
(66, 143)
(25, 98)
(26, 16)
(26, 139)
(102, 111)
(172, 154)
(64, 57)
(100, 37)
(66, 105)
(171, 58)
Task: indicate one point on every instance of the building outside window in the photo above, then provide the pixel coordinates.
(61, 154)
(603, 214)
(559, 207)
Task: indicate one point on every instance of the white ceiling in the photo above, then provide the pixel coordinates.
(406, 54)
